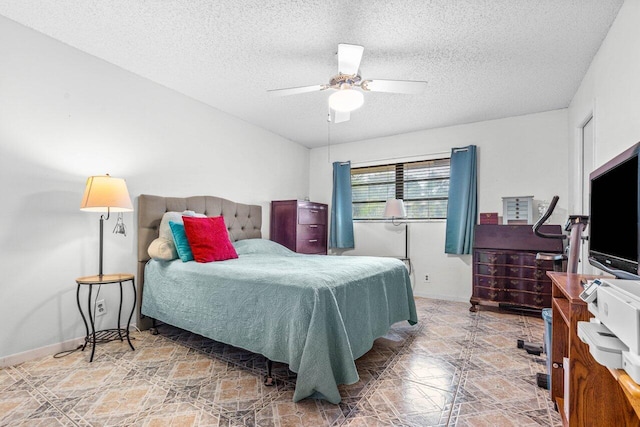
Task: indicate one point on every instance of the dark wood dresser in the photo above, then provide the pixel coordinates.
(505, 269)
(300, 225)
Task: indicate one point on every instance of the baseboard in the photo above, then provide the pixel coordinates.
(442, 297)
(36, 353)
(48, 350)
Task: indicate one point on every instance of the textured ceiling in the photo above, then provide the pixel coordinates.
(483, 59)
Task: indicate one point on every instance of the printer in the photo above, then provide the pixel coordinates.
(613, 335)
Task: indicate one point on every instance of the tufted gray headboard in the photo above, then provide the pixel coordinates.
(242, 221)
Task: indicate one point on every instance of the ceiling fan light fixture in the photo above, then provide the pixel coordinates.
(346, 100)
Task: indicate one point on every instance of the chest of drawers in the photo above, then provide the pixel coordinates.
(517, 210)
(300, 225)
(505, 268)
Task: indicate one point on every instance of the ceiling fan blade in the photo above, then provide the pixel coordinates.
(349, 57)
(341, 116)
(395, 86)
(296, 90)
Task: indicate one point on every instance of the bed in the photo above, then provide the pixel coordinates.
(315, 313)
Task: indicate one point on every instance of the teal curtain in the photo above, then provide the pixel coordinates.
(341, 231)
(462, 209)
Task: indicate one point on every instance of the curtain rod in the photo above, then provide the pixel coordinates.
(418, 156)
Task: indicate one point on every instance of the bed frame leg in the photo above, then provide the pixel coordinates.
(268, 379)
(154, 327)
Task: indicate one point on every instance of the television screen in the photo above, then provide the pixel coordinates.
(613, 217)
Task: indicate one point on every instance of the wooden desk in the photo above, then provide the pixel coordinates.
(595, 397)
(630, 388)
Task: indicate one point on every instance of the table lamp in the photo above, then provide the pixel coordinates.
(104, 193)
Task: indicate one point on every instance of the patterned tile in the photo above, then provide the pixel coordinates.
(455, 368)
(436, 372)
(179, 415)
(22, 405)
(9, 378)
(307, 412)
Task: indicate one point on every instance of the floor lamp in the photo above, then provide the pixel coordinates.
(394, 208)
(104, 193)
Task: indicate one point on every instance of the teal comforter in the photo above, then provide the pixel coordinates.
(315, 313)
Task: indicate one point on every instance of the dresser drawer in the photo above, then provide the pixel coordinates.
(511, 271)
(497, 270)
(312, 246)
(521, 259)
(524, 272)
(312, 215)
(490, 282)
(543, 286)
(534, 299)
(490, 294)
(311, 231)
(491, 257)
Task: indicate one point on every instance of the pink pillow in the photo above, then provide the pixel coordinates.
(209, 239)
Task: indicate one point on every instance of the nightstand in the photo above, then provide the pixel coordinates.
(94, 337)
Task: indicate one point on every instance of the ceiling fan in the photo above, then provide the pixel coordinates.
(347, 82)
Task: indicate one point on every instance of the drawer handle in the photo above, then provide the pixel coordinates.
(312, 211)
(493, 259)
(313, 241)
(515, 270)
(313, 226)
(493, 271)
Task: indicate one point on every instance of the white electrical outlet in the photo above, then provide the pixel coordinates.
(101, 308)
(426, 277)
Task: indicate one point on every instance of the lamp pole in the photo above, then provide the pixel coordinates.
(406, 240)
(102, 218)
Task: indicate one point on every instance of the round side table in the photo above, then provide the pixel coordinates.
(94, 337)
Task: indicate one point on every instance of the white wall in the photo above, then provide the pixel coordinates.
(611, 91)
(517, 156)
(65, 115)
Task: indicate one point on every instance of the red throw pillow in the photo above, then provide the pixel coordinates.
(209, 239)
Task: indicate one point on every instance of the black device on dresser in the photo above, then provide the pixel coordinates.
(505, 268)
(300, 225)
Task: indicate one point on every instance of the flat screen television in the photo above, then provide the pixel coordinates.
(613, 215)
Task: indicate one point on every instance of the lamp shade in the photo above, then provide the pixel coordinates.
(394, 208)
(104, 193)
(346, 100)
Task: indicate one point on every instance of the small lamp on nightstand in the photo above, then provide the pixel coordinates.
(394, 208)
(104, 193)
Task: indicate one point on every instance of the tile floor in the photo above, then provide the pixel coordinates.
(455, 368)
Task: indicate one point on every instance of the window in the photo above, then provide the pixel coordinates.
(423, 185)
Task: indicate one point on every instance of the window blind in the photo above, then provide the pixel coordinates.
(423, 185)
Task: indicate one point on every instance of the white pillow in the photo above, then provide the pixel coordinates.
(165, 230)
(163, 249)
